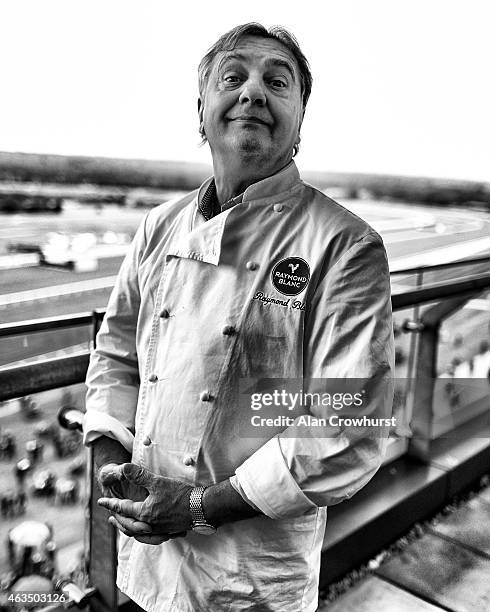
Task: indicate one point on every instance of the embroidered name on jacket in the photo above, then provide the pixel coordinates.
(291, 275)
(268, 299)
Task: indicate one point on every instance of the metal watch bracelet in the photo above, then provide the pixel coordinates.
(199, 522)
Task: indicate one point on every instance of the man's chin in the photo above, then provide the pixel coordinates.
(250, 146)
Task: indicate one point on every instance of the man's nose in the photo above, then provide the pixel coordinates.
(253, 91)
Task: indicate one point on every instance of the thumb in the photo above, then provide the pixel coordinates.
(110, 473)
(138, 475)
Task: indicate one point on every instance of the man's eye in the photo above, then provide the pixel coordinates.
(231, 78)
(278, 83)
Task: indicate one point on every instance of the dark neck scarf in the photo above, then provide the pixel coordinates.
(209, 205)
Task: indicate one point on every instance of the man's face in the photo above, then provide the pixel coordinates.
(253, 102)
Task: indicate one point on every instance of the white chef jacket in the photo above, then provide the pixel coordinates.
(182, 330)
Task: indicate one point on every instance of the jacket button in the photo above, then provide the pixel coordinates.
(252, 265)
(164, 314)
(188, 461)
(146, 441)
(205, 396)
(278, 207)
(153, 378)
(228, 330)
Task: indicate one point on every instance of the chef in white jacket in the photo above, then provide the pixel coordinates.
(256, 275)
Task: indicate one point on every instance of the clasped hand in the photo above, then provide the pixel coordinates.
(158, 509)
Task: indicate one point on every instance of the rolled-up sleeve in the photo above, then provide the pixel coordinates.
(113, 376)
(348, 336)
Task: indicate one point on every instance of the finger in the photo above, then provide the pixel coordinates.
(111, 475)
(106, 491)
(121, 528)
(137, 527)
(126, 507)
(155, 540)
(126, 528)
(115, 491)
(112, 493)
(139, 475)
(111, 490)
(107, 480)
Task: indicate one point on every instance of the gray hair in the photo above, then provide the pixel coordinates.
(229, 41)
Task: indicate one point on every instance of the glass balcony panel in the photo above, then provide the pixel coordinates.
(462, 386)
(43, 476)
(37, 346)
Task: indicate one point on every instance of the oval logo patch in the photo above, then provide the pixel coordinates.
(290, 276)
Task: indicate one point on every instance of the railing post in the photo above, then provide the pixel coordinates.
(426, 374)
(423, 391)
(102, 536)
(102, 551)
(412, 352)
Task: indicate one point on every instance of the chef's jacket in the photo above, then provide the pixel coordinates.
(285, 284)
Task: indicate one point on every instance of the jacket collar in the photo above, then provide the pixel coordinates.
(279, 182)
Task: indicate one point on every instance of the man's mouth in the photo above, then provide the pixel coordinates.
(249, 119)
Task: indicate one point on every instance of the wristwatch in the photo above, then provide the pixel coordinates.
(199, 523)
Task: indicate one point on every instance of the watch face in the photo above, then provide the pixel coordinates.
(204, 528)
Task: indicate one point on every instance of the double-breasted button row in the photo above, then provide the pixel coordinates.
(153, 378)
(278, 207)
(188, 460)
(228, 330)
(164, 313)
(252, 265)
(146, 441)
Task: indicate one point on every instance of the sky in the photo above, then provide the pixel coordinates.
(398, 87)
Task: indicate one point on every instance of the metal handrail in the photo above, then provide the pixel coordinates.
(50, 323)
(442, 266)
(438, 291)
(18, 381)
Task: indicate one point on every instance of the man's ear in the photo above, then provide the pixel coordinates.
(200, 112)
(298, 137)
(301, 118)
(200, 109)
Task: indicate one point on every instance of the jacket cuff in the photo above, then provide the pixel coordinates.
(96, 424)
(236, 485)
(274, 491)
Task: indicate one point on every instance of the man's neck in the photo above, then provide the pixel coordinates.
(232, 180)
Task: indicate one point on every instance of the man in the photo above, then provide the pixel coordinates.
(254, 276)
